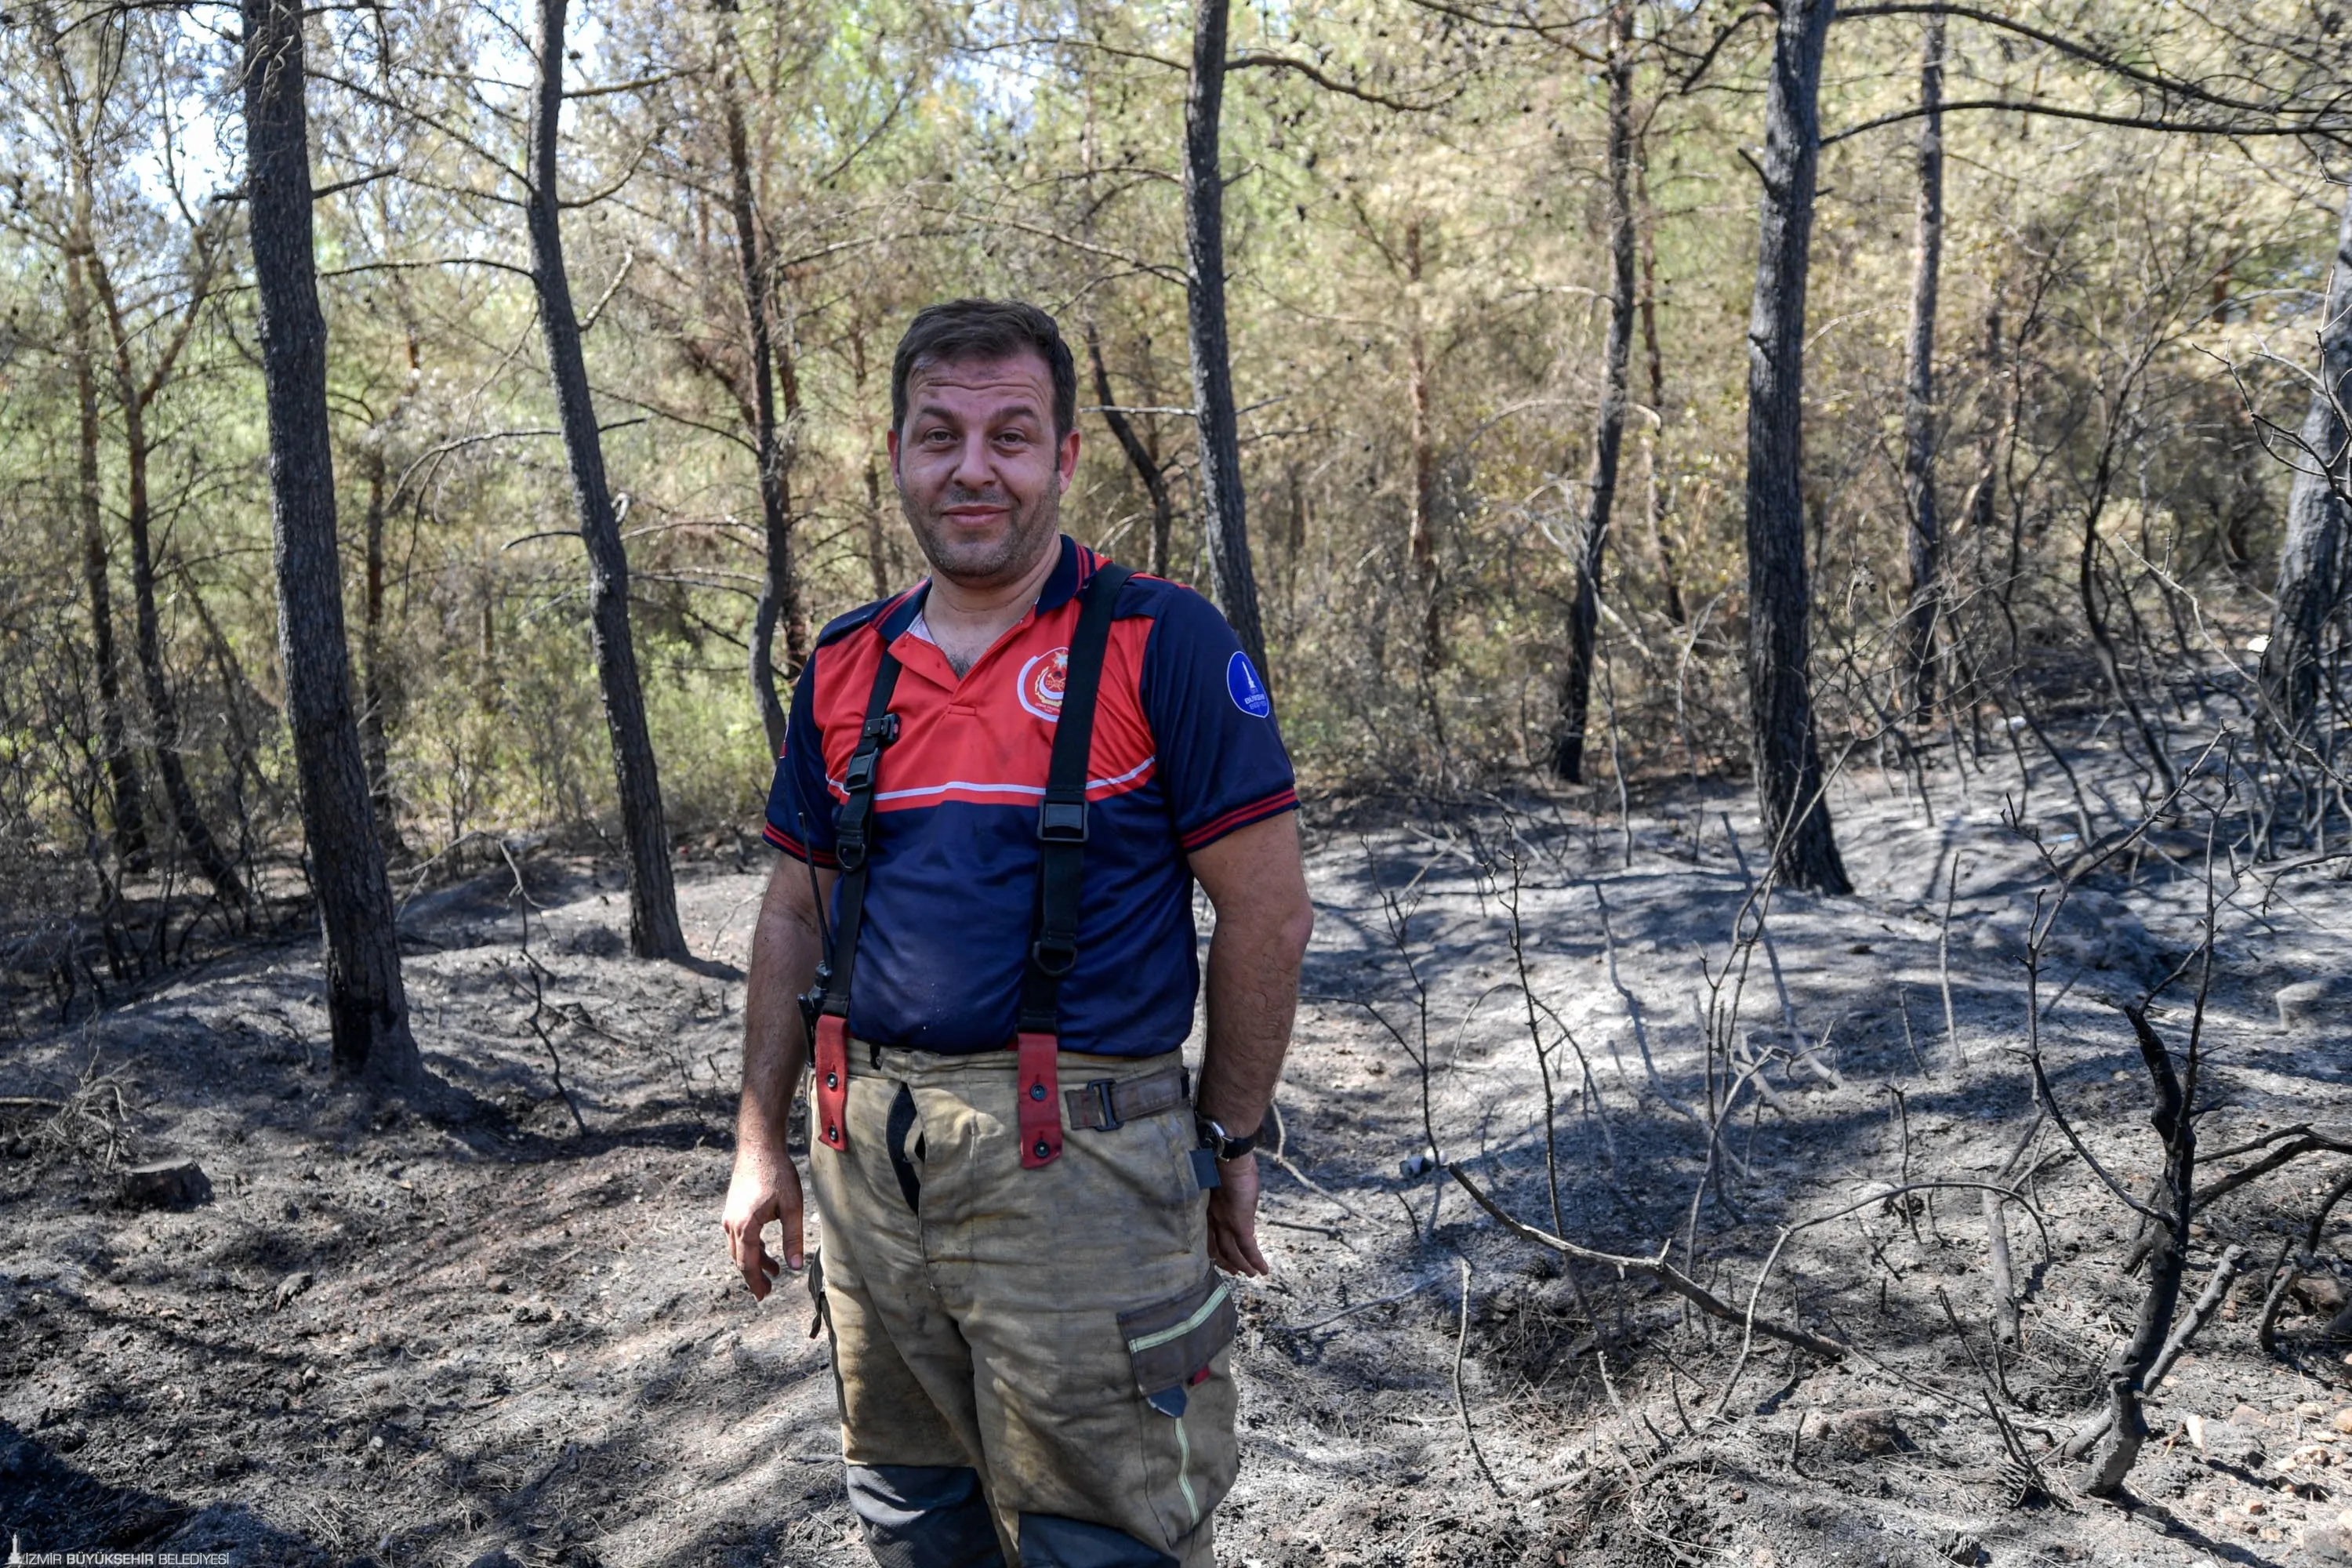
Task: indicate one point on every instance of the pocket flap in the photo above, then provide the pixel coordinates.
(1170, 1341)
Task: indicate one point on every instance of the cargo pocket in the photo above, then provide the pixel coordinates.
(1175, 1348)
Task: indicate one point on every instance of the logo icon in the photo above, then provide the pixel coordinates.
(1042, 680)
(1248, 692)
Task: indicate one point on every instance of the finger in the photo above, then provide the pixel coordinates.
(751, 1261)
(788, 1209)
(1237, 1248)
(1231, 1250)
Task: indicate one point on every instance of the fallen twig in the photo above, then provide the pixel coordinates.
(2282, 1278)
(1325, 1322)
(1656, 1269)
(1280, 1157)
(1944, 967)
(2004, 1288)
(1461, 1403)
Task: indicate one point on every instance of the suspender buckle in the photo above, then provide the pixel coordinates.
(1100, 1088)
(1062, 821)
(1054, 956)
(859, 777)
(849, 848)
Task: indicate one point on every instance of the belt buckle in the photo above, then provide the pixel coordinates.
(1100, 1088)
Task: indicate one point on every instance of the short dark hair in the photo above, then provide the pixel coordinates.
(964, 330)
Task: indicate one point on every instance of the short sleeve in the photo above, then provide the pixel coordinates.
(1221, 760)
(800, 807)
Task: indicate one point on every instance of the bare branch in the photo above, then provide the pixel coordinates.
(1329, 84)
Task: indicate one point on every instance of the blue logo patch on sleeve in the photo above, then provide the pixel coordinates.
(1247, 691)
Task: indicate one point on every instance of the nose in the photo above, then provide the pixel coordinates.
(972, 469)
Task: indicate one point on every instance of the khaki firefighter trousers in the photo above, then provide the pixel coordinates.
(1059, 1330)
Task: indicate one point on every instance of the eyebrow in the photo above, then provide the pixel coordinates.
(1025, 408)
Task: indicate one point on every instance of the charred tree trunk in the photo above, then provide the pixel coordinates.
(1146, 466)
(162, 708)
(1780, 596)
(1163, 531)
(877, 546)
(2127, 1368)
(878, 551)
(127, 792)
(1669, 578)
(1223, 510)
(375, 695)
(779, 588)
(1926, 536)
(1293, 535)
(1584, 614)
(1421, 543)
(379, 676)
(2311, 559)
(367, 1008)
(653, 900)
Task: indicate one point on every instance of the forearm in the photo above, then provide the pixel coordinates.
(784, 952)
(1255, 878)
(1252, 998)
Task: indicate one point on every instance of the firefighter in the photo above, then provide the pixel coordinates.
(995, 793)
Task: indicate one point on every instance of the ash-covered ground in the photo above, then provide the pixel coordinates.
(393, 1341)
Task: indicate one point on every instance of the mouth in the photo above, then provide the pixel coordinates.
(974, 516)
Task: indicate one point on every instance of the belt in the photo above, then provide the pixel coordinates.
(1103, 1104)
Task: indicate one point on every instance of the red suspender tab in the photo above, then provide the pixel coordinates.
(1041, 1099)
(832, 1080)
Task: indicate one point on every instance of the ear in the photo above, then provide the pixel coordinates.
(1065, 465)
(891, 440)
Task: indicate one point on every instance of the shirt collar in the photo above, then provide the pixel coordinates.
(895, 618)
(1069, 574)
(1076, 565)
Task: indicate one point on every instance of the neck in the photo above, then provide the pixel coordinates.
(991, 607)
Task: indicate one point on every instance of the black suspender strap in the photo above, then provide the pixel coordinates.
(1061, 868)
(1062, 815)
(853, 829)
(853, 846)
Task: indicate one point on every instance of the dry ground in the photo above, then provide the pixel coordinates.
(393, 1341)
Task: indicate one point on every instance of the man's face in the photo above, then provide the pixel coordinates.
(979, 470)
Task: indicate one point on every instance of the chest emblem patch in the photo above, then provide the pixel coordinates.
(1042, 680)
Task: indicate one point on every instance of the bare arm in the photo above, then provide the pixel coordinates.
(1257, 880)
(785, 947)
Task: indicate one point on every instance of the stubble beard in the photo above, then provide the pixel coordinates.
(982, 563)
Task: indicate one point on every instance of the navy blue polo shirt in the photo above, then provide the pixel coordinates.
(1185, 750)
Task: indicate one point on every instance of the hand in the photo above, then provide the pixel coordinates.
(764, 1187)
(1233, 1217)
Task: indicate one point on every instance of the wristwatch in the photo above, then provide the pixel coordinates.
(1223, 1145)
